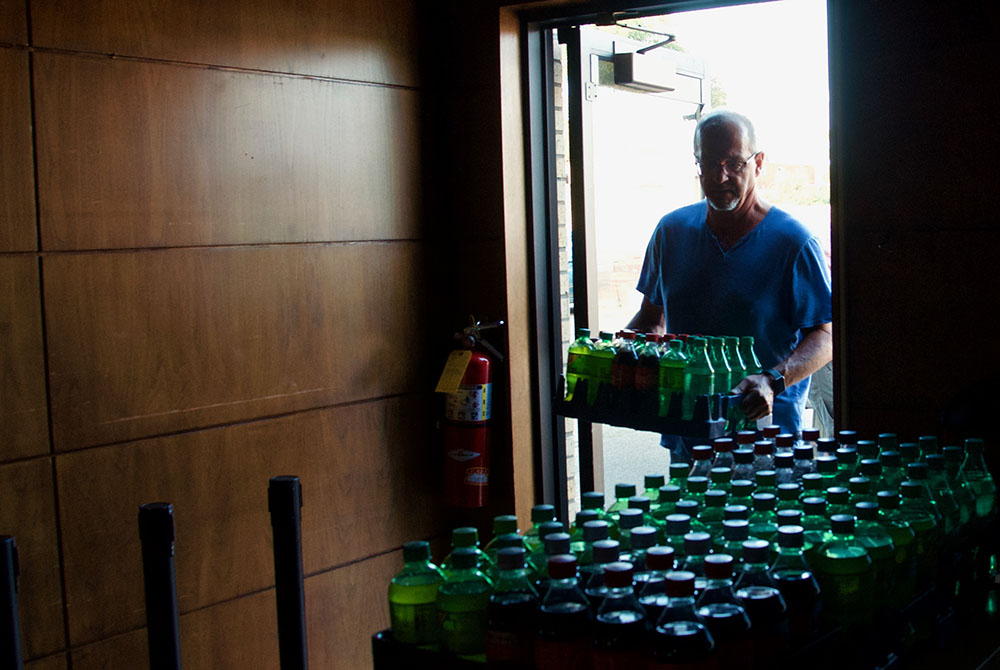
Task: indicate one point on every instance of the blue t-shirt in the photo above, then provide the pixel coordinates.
(771, 284)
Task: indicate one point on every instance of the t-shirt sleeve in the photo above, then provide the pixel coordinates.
(649, 277)
(811, 286)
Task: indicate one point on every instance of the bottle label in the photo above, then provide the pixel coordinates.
(414, 623)
(470, 403)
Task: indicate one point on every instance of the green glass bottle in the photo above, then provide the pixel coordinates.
(577, 363)
(763, 520)
(959, 485)
(749, 356)
(868, 449)
(601, 361)
(652, 484)
(928, 445)
(878, 542)
(788, 496)
(692, 508)
(537, 558)
(644, 505)
(539, 515)
(903, 541)
(595, 500)
(979, 478)
(504, 524)
(679, 473)
(713, 513)
(740, 492)
(696, 547)
(886, 442)
(674, 384)
(815, 520)
(721, 478)
(676, 526)
(576, 533)
(623, 492)
(838, 500)
(720, 363)
(847, 464)
(734, 533)
(669, 495)
(826, 467)
(893, 473)
(737, 367)
(919, 512)
(462, 602)
(947, 502)
(909, 452)
(861, 490)
(844, 570)
(468, 537)
(413, 596)
(699, 375)
(697, 486)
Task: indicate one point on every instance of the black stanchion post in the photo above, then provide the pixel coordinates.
(156, 532)
(10, 630)
(284, 501)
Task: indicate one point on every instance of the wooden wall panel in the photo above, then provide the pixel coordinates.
(28, 513)
(199, 337)
(13, 25)
(57, 662)
(366, 40)
(24, 429)
(17, 190)
(138, 154)
(370, 483)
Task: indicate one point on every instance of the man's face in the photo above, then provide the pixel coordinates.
(727, 189)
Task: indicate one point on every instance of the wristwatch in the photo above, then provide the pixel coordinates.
(777, 380)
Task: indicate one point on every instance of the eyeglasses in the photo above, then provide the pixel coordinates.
(731, 166)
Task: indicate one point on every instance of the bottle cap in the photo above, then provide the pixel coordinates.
(764, 502)
(745, 437)
(810, 434)
(860, 485)
(679, 471)
(697, 484)
(868, 449)
(629, 518)
(503, 524)
(718, 566)
(842, 523)
(790, 536)
(716, 498)
(789, 517)
(654, 481)
(510, 558)
(606, 551)
(767, 478)
(720, 475)
(562, 566)
(952, 454)
(643, 537)
(464, 537)
(756, 551)
(592, 500)
(641, 503)
(416, 551)
(556, 543)
(618, 575)
(743, 455)
(866, 511)
(670, 493)
(680, 584)
(890, 459)
(837, 495)
(826, 464)
(595, 530)
(464, 558)
(935, 462)
(826, 445)
(734, 512)
(585, 515)
(741, 488)
(788, 491)
(887, 440)
(847, 455)
(702, 452)
(735, 530)
(677, 524)
(784, 440)
(624, 491)
(888, 500)
(928, 443)
(911, 489)
(974, 444)
(845, 437)
(689, 507)
(784, 460)
(917, 471)
(803, 452)
(697, 544)
(547, 527)
(582, 332)
(763, 447)
(660, 558)
(509, 540)
(628, 335)
(812, 481)
(909, 450)
(871, 468)
(771, 432)
(814, 506)
(723, 444)
(542, 513)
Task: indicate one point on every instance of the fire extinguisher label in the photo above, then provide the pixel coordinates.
(477, 476)
(471, 403)
(462, 455)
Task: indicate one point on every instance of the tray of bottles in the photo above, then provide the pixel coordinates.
(713, 415)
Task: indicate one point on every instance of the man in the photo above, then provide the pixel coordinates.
(734, 265)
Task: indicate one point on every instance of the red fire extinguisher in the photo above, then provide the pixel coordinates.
(467, 422)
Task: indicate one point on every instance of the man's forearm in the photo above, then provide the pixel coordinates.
(813, 352)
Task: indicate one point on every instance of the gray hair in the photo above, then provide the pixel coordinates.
(724, 117)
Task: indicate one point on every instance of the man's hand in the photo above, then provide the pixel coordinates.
(758, 398)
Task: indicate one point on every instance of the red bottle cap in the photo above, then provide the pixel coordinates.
(702, 452)
(784, 440)
(618, 575)
(562, 566)
(771, 431)
(763, 447)
(746, 437)
(680, 584)
(660, 558)
(723, 444)
(718, 566)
